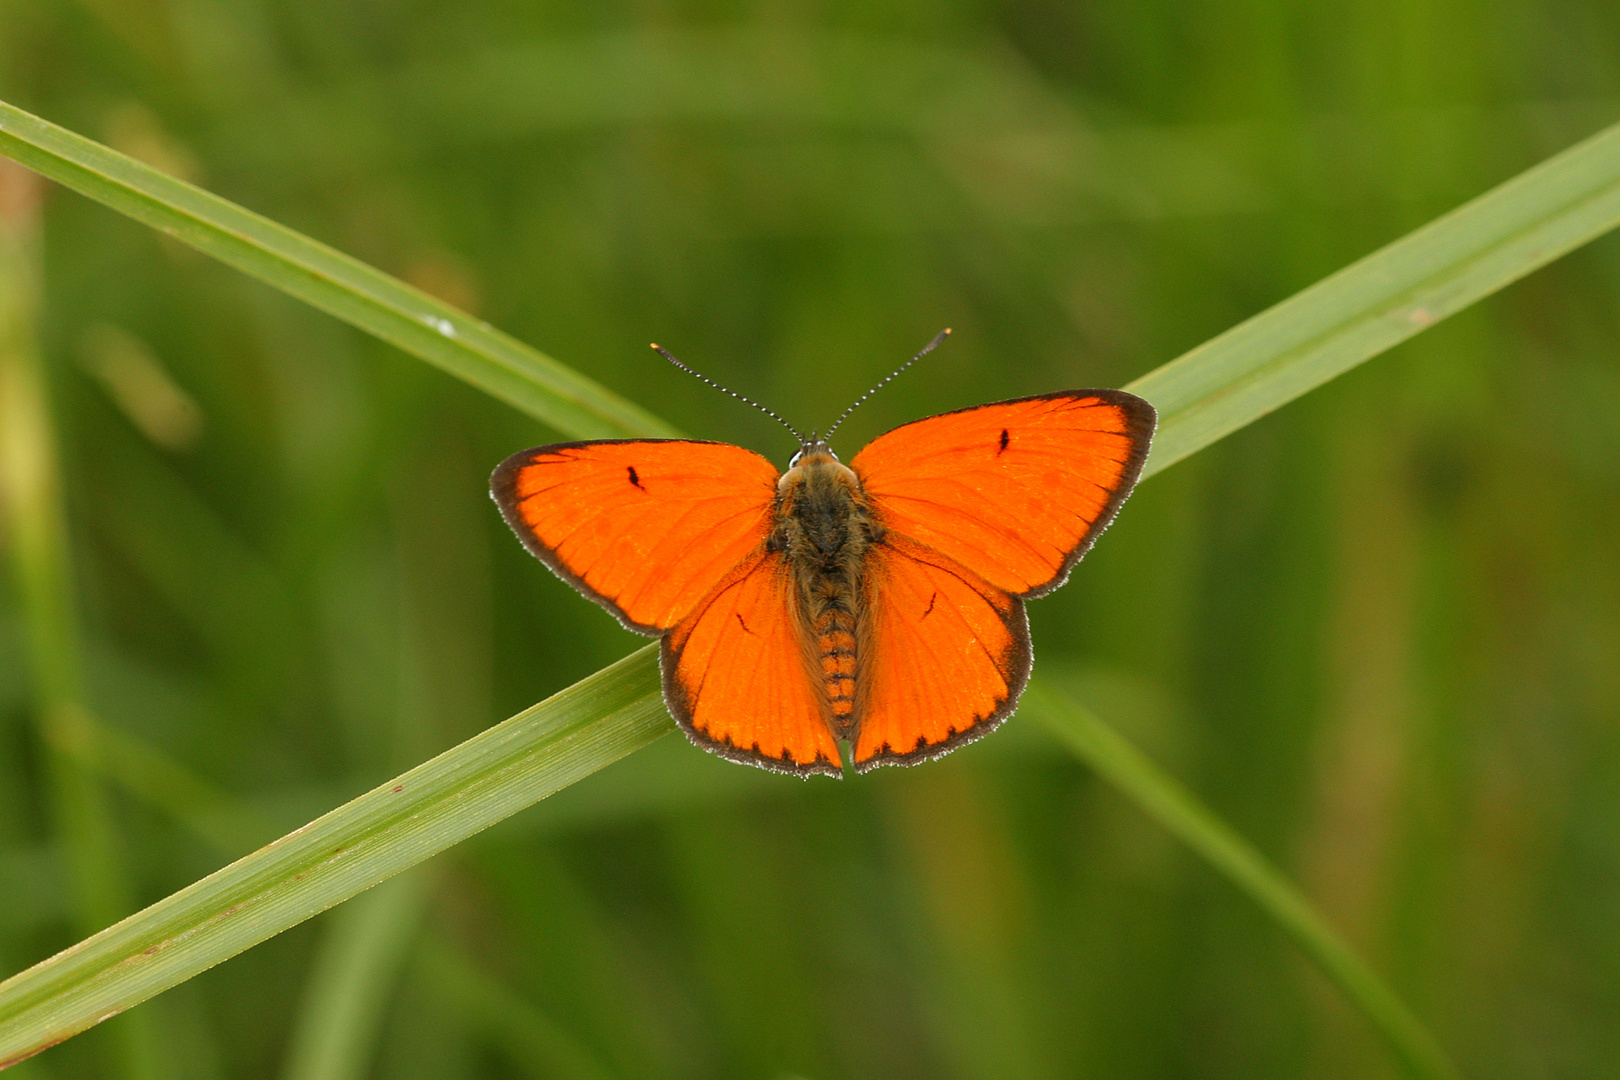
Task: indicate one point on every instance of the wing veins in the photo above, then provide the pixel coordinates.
(923, 643)
(697, 618)
(954, 511)
(649, 570)
(606, 511)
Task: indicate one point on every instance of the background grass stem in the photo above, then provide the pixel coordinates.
(32, 509)
(1169, 803)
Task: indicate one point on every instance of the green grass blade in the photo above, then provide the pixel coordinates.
(1179, 811)
(428, 809)
(1380, 301)
(347, 288)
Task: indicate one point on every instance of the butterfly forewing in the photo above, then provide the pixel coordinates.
(645, 527)
(1015, 491)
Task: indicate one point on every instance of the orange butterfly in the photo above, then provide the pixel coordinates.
(878, 605)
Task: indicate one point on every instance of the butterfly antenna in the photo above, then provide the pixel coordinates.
(928, 348)
(661, 351)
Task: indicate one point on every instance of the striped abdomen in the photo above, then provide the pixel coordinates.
(835, 640)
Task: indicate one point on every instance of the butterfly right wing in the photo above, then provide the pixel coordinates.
(645, 527)
(739, 677)
(979, 509)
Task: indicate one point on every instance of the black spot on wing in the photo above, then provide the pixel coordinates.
(1004, 440)
(634, 479)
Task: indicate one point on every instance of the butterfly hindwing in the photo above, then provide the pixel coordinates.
(1015, 491)
(645, 527)
(945, 655)
(738, 677)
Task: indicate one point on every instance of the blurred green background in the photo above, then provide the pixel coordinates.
(1379, 631)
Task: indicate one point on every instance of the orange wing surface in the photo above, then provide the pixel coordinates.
(738, 675)
(645, 527)
(1015, 491)
(946, 655)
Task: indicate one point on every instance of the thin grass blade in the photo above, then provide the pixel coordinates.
(1377, 303)
(327, 279)
(1190, 821)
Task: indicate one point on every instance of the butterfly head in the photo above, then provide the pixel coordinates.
(810, 448)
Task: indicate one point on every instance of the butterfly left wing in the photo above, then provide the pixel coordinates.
(738, 673)
(645, 527)
(1016, 491)
(670, 536)
(945, 655)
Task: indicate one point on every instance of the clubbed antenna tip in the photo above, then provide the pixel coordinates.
(926, 349)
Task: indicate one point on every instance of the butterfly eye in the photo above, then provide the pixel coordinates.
(794, 460)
